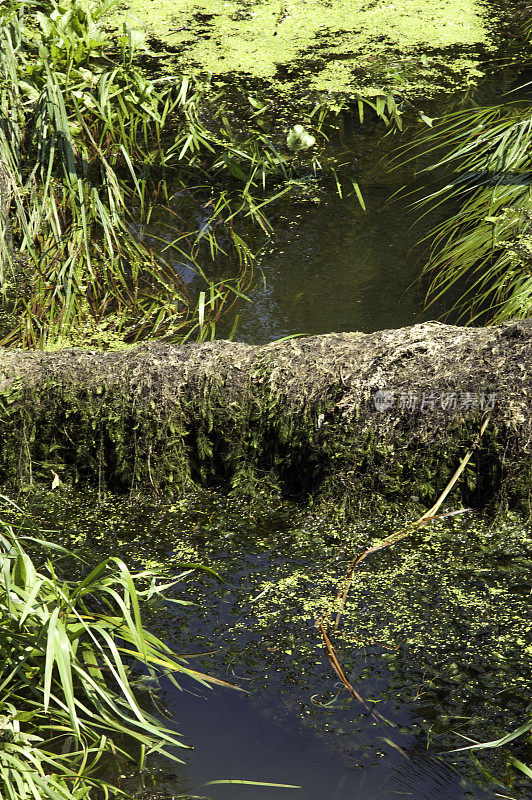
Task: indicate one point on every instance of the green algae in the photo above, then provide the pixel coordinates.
(328, 46)
(436, 631)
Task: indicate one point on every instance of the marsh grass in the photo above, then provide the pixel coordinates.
(482, 252)
(486, 244)
(71, 653)
(90, 147)
(83, 162)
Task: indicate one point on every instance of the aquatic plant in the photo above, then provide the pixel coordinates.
(71, 653)
(82, 166)
(485, 246)
(325, 47)
(522, 730)
(91, 148)
(483, 250)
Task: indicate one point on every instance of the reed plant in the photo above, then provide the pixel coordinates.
(482, 251)
(90, 148)
(72, 654)
(82, 165)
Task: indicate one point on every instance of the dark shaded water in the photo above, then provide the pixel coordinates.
(298, 725)
(439, 653)
(338, 268)
(330, 265)
(340, 271)
(235, 736)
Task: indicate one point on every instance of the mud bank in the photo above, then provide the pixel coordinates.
(359, 420)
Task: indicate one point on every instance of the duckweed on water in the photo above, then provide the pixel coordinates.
(436, 631)
(338, 46)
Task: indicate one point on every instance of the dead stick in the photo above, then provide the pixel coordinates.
(333, 659)
(427, 517)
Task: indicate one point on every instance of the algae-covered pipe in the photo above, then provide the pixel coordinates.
(362, 420)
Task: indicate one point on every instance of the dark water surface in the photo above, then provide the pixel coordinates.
(331, 266)
(238, 737)
(440, 652)
(338, 268)
(298, 725)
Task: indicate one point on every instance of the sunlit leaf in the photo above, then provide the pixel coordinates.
(299, 139)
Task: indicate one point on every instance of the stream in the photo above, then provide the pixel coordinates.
(436, 635)
(434, 639)
(431, 651)
(334, 267)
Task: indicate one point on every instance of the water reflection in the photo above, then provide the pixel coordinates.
(341, 270)
(297, 725)
(234, 738)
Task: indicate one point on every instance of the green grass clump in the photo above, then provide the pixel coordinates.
(68, 705)
(82, 166)
(93, 151)
(483, 250)
(482, 253)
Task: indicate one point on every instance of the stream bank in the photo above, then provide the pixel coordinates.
(363, 421)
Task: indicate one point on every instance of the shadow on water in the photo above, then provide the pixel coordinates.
(235, 736)
(332, 266)
(340, 270)
(296, 726)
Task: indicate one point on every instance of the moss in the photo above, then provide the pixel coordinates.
(296, 418)
(96, 437)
